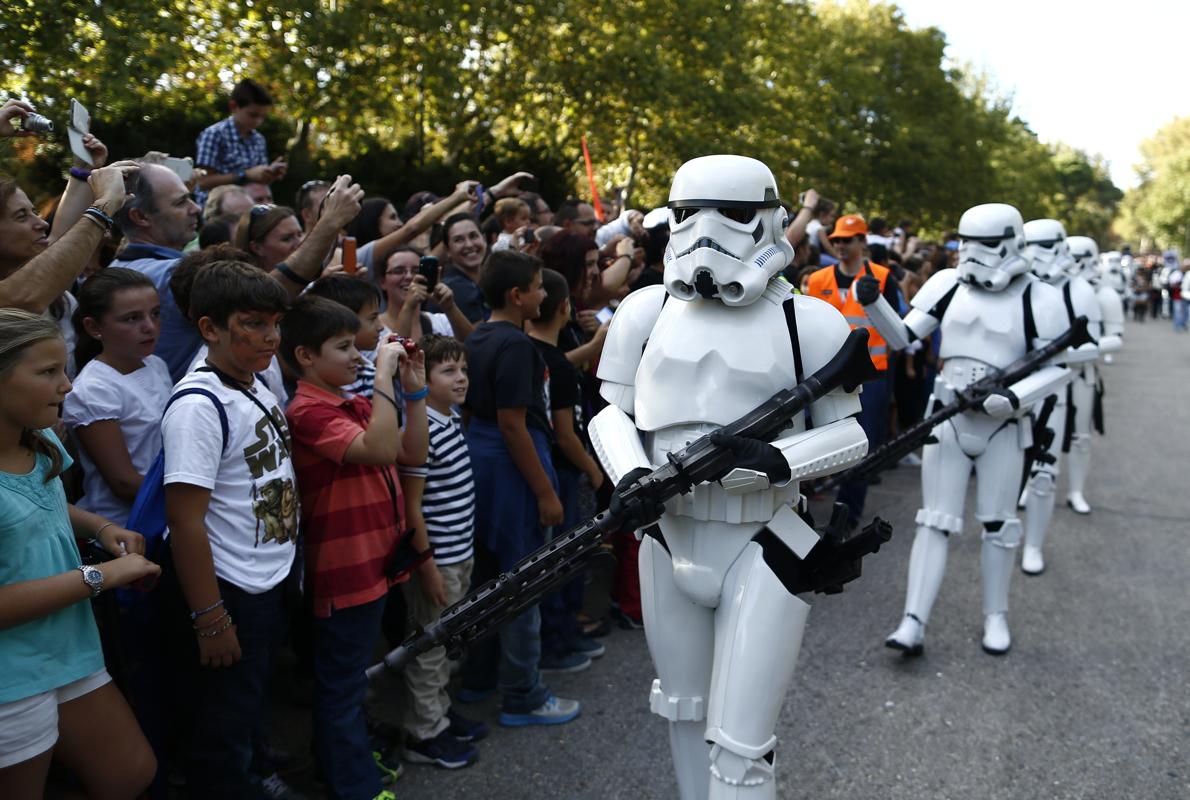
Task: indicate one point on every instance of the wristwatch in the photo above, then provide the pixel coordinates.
(93, 577)
(241, 177)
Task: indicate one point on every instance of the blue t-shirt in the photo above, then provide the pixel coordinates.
(36, 541)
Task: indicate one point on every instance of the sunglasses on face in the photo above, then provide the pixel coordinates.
(844, 240)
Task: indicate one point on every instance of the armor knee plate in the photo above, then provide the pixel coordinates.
(939, 520)
(676, 709)
(1005, 534)
(736, 770)
(1041, 482)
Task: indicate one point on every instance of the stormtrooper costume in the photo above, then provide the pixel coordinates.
(715, 340)
(1111, 291)
(1049, 256)
(991, 313)
(1085, 386)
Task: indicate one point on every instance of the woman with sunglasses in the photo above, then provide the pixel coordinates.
(406, 293)
(270, 233)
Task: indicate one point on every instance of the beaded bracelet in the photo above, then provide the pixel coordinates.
(98, 216)
(196, 614)
(214, 633)
(212, 623)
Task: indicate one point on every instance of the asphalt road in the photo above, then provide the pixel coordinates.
(1092, 701)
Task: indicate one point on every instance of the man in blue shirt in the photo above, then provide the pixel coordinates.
(234, 151)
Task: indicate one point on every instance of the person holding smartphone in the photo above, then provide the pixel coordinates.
(408, 281)
(234, 151)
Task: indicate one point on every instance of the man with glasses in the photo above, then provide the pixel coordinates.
(308, 199)
(845, 286)
(577, 217)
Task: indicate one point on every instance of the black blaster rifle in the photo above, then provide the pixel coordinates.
(489, 606)
(996, 382)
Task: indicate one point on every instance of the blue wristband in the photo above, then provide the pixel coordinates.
(420, 394)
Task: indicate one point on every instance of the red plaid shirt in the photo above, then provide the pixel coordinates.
(352, 517)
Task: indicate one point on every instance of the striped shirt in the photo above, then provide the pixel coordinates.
(223, 150)
(352, 513)
(448, 501)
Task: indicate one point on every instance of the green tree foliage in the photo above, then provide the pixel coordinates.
(842, 96)
(1157, 212)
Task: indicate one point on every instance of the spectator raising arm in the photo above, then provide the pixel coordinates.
(422, 221)
(797, 228)
(616, 275)
(47, 275)
(340, 206)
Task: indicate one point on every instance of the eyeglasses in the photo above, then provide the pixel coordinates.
(844, 239)
(401, 271)
(260, 209)
(256, 213)
(305, 189)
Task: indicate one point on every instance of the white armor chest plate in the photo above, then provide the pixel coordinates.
(983, 326)
(709, 363)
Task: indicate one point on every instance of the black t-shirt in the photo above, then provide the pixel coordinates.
(565, 386)
(648, 277)
(891, 293)
(506, 372)
(468, 296)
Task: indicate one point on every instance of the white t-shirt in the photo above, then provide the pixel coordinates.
(813, 231)
(252, 519)
(136, 401)
(274, 379)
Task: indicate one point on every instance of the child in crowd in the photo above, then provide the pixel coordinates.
(121, 391)
(345, 454)
(564, 648)
(513, 215)
(440, 505)
(232, 511)
(364, 299)
(516, 497)
(56, 698)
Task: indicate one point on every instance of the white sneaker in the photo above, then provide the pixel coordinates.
(910, 460)
(996, 639)
(909, 637)
(1024, 498)
(1078, 504)
(1031, 561)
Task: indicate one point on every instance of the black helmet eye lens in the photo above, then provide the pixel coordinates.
(740, 215)
(683, 214)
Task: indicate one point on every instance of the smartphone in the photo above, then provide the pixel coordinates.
(182, 167)
(427, 267)
(349, 263)
(530, 237)
(80, 126)
(604, 315)
(479, 202)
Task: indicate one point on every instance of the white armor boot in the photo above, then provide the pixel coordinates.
(991, 314)
(719, 571)
(1083, 388)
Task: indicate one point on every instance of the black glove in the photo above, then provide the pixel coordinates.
(754, 454)
(642, 510)
(867, 290)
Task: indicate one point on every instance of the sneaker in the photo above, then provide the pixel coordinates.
(626, 621)
(390, 768)
(463, 729)
(383, 735)
(587, 646)
(564, 662)
(466, 695)
(385, 795)
(443, 750)
(554, 711)
(274, 788)
(910, 460)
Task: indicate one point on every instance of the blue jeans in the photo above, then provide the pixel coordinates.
(507, 527)
(559, 609)
(343, 646)
(874, 400)
(231, 700)
(1181, 314)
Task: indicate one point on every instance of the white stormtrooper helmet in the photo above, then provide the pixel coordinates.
(992, 245)
(1046, 248)
(1111, 271)
(727, 230)
(1086, 258)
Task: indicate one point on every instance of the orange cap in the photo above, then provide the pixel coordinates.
(849, 225)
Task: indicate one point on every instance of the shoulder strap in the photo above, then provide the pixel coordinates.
(1069, 301)
(791, 324)
(1030, 323)
(211, 396)
(232, 382)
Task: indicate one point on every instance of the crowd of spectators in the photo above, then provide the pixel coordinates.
(355, 409)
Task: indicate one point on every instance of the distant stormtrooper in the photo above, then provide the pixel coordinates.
(1085, 390)
(991, 313)
(719, 570)
(1112, 292)
(1048, 253)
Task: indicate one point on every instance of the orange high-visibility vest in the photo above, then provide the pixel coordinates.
(824, 286)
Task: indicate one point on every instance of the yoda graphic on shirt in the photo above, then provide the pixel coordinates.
(275, 506)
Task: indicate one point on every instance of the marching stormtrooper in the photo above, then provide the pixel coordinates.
(1085, 389)
(1111, 291)
(720, 336)
(1048, 253)
(991, 312)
